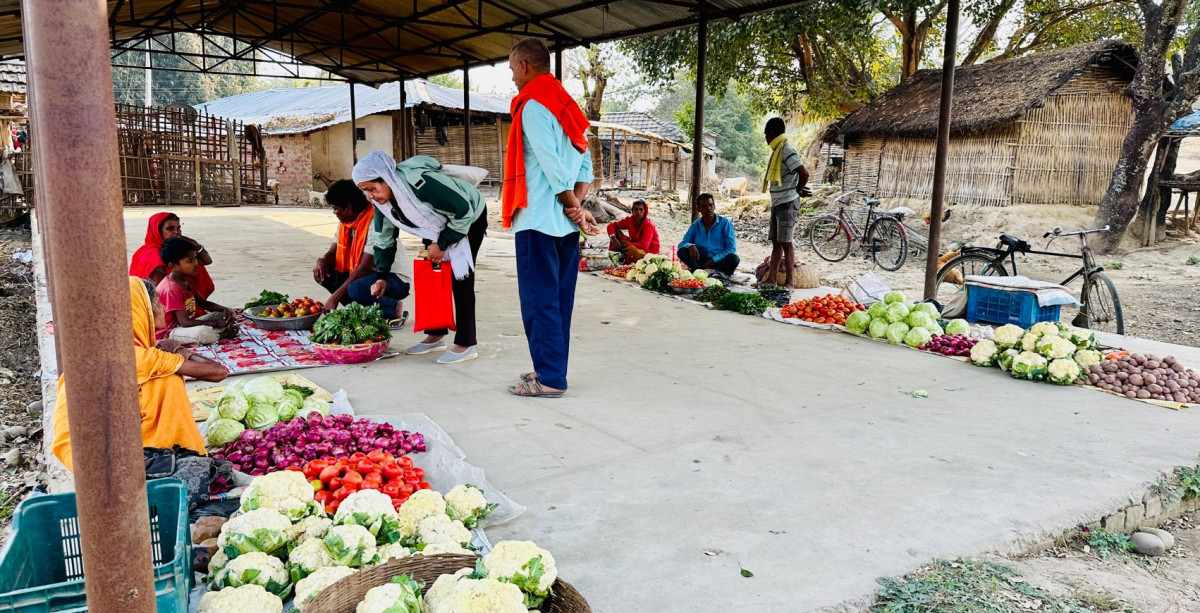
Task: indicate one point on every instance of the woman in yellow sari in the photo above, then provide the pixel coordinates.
(166, 412)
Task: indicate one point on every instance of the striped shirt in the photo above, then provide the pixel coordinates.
(788, 187)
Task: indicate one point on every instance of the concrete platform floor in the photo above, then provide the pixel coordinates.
(693, 442)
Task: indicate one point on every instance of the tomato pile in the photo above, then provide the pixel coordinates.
(688, 283)
(619, 271)
(334, 480)
(827, 309)
(300, 307)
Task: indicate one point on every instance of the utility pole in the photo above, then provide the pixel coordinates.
(149, 77)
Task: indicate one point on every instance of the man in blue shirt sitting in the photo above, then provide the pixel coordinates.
(709, 242)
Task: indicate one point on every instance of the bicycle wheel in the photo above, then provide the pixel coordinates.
(888, 243)
(830, 238)
(1101, 308)
(953, 274)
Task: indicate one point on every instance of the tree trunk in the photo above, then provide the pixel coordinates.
(1168, 173)
(1121, 201)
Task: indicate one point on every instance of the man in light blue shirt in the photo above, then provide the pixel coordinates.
(709, 242)
(557, 176)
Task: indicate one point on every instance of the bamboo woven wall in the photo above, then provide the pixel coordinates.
(978, 168)
(487, 146)
(631, 167)
(1068, 148)
(861, 166)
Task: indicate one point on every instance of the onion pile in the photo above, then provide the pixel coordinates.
(1146, 377)
(297, 441)
(950, 344)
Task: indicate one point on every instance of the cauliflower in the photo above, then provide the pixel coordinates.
(350, 545)
(983, 353)
(443, 587)
(467, 504)
(392, 551)
(444, 547)
(1054, 347)
(215, 563)
(1005, 359)
(441, 529)
(309, 557)
(482, 596)
(245, 599)
(525, 565)
(651, 269)
(640, 265)
(422, 504)
(1063, 371)
(632, 274)
(286, 491)
(1045, 328)
(255, 568)
(401, 595)
(1029, 342)
(311, 527)
(641, 278)
(264, 530)
(373, 510)
(1084, 357)
(1028, 365)
(1007, 335)
(1084, 339)
(310, 586)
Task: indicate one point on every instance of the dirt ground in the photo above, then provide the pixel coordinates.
(20, 431)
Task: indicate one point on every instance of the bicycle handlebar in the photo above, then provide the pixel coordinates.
(1058, 231)
(853, 191)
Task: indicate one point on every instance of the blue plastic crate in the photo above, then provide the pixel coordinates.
(1007, 306)
(41, 567)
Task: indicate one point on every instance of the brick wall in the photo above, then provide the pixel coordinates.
(289, 161)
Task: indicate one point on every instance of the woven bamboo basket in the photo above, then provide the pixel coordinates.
(803, 277)
(344, 596)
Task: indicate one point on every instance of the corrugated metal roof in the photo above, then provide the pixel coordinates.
(645, 122)
(292, 110)
(372, 41)
(12, 77)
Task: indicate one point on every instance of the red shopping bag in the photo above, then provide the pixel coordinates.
(435, 300)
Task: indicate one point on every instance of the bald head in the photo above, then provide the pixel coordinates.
(529, 59)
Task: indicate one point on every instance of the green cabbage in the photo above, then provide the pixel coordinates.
(858, 321)
(312, 404)
(896, 311)
(958, 326)
(896, 332)
(261, 415)
(220, 432)
(894, 296)
(921, 319)
(936, 330)
(264, 390)
(290, 404)
(917, 337)
(232, 404)
(878, 327)
(926, 307)
(700, 274)
(876, 310)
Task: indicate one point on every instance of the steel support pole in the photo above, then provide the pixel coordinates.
(353, 126)
(466, 116)
(698, 137)
(943, 150)
(402, 153)
(558, 66)
(66, 48)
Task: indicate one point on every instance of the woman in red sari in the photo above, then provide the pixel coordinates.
(634, 231)
(147, 264)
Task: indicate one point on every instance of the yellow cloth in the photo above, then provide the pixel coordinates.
(775, 163)
(166, 412)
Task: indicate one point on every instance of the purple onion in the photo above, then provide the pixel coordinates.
(338, 451)
(325, 448)
(342, 438)
(313, 436)
(251, 436)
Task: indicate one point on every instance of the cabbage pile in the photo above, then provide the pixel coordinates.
(901, 322)
(1047, 351)
(258, 404)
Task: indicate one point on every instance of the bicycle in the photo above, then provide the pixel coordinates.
(886, 239)
(1101, 306)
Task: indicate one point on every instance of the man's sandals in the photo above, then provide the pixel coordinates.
(532, 388)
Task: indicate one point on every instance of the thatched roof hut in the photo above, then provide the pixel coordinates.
(1038, 129)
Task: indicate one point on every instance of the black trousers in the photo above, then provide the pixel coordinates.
(333, 281)
(464, 290)
(727, 264)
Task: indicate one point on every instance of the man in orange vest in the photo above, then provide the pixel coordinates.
(547, 173)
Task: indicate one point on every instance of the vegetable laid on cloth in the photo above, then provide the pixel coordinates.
(287, 492)
(294, 442)
(245, 599)
(351, 325)
(220, 432)
(1063, 372)
(827, 309)
(1028, 365)
(896, 332)
(1007, 336)
(468, 504)
(1146, 377)
(744, 303)
(983, 353)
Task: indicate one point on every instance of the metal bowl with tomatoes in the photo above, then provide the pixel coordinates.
(299, 314)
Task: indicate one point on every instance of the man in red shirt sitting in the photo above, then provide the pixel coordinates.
(634, 231)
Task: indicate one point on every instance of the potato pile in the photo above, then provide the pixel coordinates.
(1146, 377)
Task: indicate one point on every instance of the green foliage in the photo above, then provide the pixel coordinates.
(711, 293)
(730, 116)
(1189, 482)
(660, 281)
(743, 302)
(350, 325)
(448, 79)
(966, 585)
(1107, 543)
(267, 298)
(1192, 261)
(1117, 265)
(173, 87)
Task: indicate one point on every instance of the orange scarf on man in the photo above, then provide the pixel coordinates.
(352, 241)
(548, 92)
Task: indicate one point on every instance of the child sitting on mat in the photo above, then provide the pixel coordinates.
(180, 301)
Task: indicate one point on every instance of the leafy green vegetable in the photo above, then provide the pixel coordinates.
(777, 295)
(305, 392)
(744, 303)
(267, 298)
(858, 322)
(711, 293)
(660, 281)
(220, 432)
(351, 325)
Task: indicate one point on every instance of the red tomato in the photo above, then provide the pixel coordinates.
(405, 462)
(423, 485)
(323, 497)
(388, 458)
(396, 503)
(364, 466)
(335, 483)
(420, 472)
(376, 456)
(411, 478)
(294, 468)
(358, 457)
(352, 478)
(392, 489)
(343, 492)
(328, 473)
(371, 485)
(312, 469)
(331, 508)
(407, 489)
(392, 471)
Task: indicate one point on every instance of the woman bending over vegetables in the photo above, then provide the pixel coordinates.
(165, 409)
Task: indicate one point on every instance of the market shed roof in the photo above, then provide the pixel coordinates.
(293, 110)
(985, 95)
(372, 41)
(12, 77)
(638, 121)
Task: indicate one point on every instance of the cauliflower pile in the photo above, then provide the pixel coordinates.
(466, 503)
(264, 530)
(1029, 342)
(422, 504)
(401, 595)
(373, 510)
(311, 527)
(1047, 351)
(440, 529)
(1054, 347)
(286, 491)
(245, 599)
(525, 565)
(310, 586)
(255, 568)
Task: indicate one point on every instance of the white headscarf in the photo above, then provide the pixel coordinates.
(429, 223)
